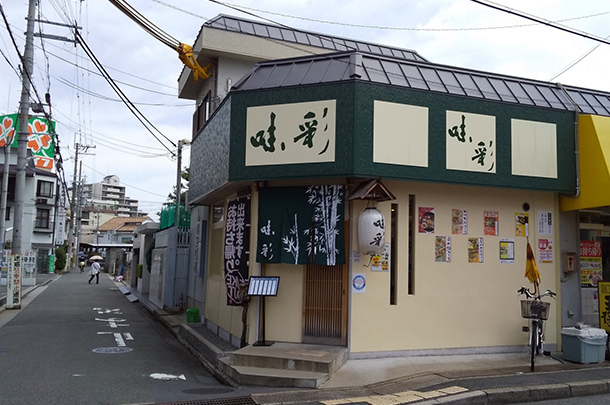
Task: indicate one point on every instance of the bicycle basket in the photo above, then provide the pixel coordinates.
(535, 309)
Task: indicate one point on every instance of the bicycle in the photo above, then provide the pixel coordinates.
(537, 311)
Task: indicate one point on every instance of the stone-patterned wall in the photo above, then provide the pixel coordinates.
(210, 154)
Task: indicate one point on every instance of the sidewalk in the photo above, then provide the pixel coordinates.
(459, 379)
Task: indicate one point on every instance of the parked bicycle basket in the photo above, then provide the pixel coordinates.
(535, 309)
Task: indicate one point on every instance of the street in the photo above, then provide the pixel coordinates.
(79, 343)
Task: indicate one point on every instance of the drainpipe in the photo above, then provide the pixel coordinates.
(577, 149)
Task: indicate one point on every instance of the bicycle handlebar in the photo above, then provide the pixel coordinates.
(528, 294)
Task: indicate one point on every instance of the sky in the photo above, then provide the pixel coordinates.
(88, 112)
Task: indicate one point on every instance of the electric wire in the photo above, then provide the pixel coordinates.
(542, 21)
(120, 93)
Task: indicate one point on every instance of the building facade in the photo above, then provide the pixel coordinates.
(475, 166)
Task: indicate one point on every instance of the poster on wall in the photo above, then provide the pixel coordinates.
(426, 220)
(236, 251)
(359, 283)
(545, 250)
(490, 223)
(522, 223)
(442, 249)
(459, 222)
(381, 262)
(507, 251)
(475, 250)
(590, 263)
(545, 223)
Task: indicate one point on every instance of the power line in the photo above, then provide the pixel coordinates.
(542, 21)
(134, 110)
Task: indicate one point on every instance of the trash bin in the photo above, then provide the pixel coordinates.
(584, 345)
(192, 315)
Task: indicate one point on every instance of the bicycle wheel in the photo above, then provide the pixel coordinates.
(533, 342)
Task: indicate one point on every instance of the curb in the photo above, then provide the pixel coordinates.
(513, 395)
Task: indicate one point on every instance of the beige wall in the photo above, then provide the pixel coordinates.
(456, 304)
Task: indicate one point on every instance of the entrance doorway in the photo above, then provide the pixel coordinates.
(325, 305)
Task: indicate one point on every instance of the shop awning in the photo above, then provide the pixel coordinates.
(594, 155)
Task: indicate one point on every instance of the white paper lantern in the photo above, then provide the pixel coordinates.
(371, 231)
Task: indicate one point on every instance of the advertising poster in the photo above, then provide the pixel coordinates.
(604, 305)
(490, 223)
(459, 222)
(381, 262)
(590, 263)
(522, 223)
(475, 250)
(426, 220)
(545, 250)
(359, 283)
(507, 251)
(545, 223)
(442, 249)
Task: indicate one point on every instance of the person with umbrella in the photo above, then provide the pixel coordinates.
(95, 269)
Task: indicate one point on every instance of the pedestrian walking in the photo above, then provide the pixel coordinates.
(81, 265)
(95, 272)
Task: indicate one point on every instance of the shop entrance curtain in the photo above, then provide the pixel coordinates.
(301, 225)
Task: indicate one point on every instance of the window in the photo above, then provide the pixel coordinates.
(45, 189)
(42, 219)
(8, 214)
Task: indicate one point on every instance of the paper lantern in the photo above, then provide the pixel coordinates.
(371, 231)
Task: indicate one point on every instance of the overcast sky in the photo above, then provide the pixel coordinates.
(451, 32)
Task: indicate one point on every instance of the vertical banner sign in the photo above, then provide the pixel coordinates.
(13, 282)
(604, 305)
(51, 264)
(237, 247)
(590, 263)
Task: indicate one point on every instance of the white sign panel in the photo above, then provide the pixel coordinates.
(471, 142)
(291, 133)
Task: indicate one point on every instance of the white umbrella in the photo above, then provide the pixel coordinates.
(96, 257)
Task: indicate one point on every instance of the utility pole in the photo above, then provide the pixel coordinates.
(22, 140)
(179, 180)
(75, 207)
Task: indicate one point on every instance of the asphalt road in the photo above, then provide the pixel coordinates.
(79, 343)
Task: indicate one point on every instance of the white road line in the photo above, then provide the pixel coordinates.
(119, 340)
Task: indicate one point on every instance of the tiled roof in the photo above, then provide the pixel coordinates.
(300, 37)
(122, 224)
(422, 76)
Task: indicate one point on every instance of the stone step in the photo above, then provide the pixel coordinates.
(272, 377)
(320, 359)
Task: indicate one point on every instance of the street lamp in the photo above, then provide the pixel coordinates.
(179, 179)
